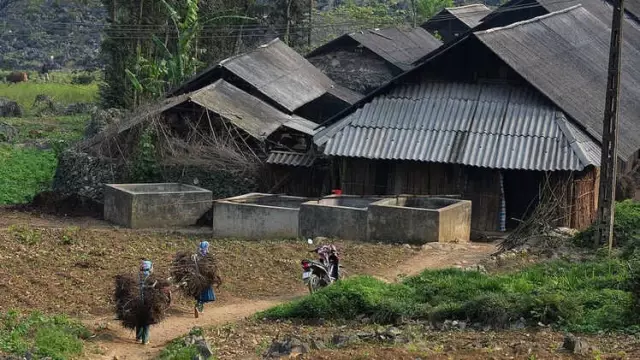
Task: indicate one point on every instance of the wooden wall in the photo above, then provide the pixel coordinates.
(480, 185)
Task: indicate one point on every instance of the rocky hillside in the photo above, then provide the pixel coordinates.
(32, 31)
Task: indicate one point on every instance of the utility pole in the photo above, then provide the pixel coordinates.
(609, 160)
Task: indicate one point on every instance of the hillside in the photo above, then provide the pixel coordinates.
(32, 31)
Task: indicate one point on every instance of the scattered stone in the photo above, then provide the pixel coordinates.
(393, 332)
(9, 108)
(317, 344)
(519, 325)
(290, 346)
(79, 108)
(342, 340)
(575, 345)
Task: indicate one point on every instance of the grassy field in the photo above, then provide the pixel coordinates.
(28, 162)
(25, 93)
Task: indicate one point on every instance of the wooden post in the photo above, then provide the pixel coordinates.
(609, 160)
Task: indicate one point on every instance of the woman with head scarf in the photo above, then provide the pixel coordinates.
(207, 295)
(142, 330)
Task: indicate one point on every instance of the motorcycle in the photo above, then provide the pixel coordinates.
(325, 271)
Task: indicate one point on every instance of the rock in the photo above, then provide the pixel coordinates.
(341, 340)
(101, 119)
(365, 335)
(393, 332)
(79, 108)
(519, 325)
(318, 344)
(204, 348)
(320, 240)
(290, 346)
(7, 132)
(9, 108)
(575, 345)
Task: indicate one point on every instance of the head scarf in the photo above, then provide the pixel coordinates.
(203, 248)
(146, 268)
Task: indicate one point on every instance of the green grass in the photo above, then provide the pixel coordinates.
(24, 172)
(55, 337)
(25, 93)
(66, 128)
(584, 297)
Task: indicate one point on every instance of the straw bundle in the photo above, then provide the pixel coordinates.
(133, 309)
(194, 274)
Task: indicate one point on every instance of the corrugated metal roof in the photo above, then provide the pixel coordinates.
(565, 56)
(278, 72)
(470, 15)
(496, 126)
(247, 112)
(399, 47)
(290, 158)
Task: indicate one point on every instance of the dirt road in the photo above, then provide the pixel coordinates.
(113, 341)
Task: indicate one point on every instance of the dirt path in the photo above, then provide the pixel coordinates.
(115, 342)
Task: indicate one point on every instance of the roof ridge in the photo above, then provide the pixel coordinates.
(467, 6)
(255, 49)
(524, 22)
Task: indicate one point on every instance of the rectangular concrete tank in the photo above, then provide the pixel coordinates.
(155, 205)
(257, 216)
(336, 216)
(419, 220)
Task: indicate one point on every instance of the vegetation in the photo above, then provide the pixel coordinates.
(626, 228)
(24, 172)
(585, 297)
(54, 337)
(25, 93)
(178, 350)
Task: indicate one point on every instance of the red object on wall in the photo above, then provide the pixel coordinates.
(336, 192)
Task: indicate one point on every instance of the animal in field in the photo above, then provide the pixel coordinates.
(17, 76)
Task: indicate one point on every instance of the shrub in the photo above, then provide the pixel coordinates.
(626, 227)
(589, 297)
(83, 79)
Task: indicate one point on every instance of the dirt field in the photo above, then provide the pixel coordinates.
(250, 339)
(67, 265)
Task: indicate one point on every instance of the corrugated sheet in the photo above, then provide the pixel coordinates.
(397, 46)
(565, 56)
(291, 158)
(470, 15)
(495, 126)
(247, 112)
(278, 72)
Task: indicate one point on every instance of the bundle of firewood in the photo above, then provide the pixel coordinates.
(138, 306)
(194, 273)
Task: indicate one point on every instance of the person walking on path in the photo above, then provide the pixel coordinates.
(207, 295)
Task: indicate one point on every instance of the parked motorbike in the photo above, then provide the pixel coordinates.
(324, 271)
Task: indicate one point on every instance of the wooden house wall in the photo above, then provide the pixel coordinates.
(479, 185)
(298, 181)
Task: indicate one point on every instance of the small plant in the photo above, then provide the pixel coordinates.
(69, 235)
(25, 234)
(83, 79)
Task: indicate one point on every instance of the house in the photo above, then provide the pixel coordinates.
(450, 23)
(281, 77)
(362, 61)
(505, 117)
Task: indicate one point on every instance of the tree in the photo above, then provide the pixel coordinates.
(5, 5)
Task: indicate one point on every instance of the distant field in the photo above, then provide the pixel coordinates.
(25, 93)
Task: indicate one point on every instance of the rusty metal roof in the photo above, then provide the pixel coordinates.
(291, 158)
(486, 125)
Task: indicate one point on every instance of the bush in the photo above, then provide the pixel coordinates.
(626, 227)
(588, 297)
(83, 79)
(54, 337)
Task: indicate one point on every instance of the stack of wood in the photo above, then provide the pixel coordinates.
(194, 273)
(139, 306)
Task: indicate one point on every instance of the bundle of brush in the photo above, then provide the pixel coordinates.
(135, 307)
(194, 273)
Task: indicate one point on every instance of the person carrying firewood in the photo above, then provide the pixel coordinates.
(207, 295)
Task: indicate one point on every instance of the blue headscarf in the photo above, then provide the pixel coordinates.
(203, 248)
(146, 268)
